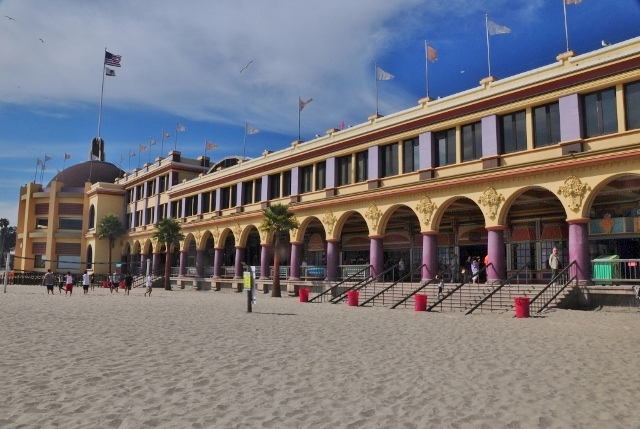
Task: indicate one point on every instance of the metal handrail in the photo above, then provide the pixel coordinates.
(457, 288)
(364, 284)
(403, 300)
(400, 280)
(351, 277)
(554, 283)
(503, 283)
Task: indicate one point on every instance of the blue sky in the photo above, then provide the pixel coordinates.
(181, 63)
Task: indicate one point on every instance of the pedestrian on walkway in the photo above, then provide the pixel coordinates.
(69, 284)
(149, 285)
(48, 280)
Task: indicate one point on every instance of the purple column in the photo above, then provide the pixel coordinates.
(376, 256)
(143, 263)
(495, 249)
(579, 249)
(239, 260)
(217, 263)
(265, 261)
(332, 258)
(155, 264)
(199, 263)
(183, 263)
(296, 253)
(429, 255)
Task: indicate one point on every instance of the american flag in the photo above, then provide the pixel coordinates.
(112, 60)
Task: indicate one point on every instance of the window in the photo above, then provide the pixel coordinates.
(225, 194)
(258, 191)
(149, 216)
(599, 113)
(175, 209)
(162, 184)
(247, 193)
(306, 175)
(274, 186)
(410, 155)
(471, 141)
(151, 188)
(128, 220)
(513, 132)
(343, 166)
(233, 191)
(362, 166)
(92, 217)
(389, 160)
(321, 175)
(139, 194)
(190, 205)
(70, 223)
(38, 261)
(89, 260)
(205, 206)
(546, 125)
(68, 262)
(162, 212)
(446, 147)
(139, 218)
(42, 222)
(286, 183)
(632, 105)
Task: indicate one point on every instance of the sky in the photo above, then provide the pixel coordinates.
(181, 63)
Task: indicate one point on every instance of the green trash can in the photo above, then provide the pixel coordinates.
(604, 270)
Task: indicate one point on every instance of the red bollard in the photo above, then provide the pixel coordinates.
(352, 298)
(420, 302)
(303, 293)
(522, 306)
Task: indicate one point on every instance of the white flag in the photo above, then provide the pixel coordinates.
(252, 130)
(152, 142)
(210, 145)
(382, 75)
(181, 128)
(303, 103)
(494, 28)
(572, 1)
(143, 148)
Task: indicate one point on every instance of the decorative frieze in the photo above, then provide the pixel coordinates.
(574, 191)
(491, 200)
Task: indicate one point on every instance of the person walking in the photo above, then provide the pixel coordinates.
(69, 284)
(86, 280)
(115, 279)
(149, 285)
(554, 263)
(128, 281)
(61, 283)
(475, 267)
(48, 280)
(440, 285)
(92, 280)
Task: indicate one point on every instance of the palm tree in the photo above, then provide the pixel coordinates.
(168, 233)
(277, 220)
(110, 228)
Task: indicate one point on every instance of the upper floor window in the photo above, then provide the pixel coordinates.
(513, 132)
(446, 147)
(389, 160)
(306, 175)
(472, 141)
(42, 222)
(92, 217)
(258, 191)
(162, 183)
(343, 167)
(225, 195)
(205, 205)
(247, 193)
(632, 105)
(70, 223)
(410, 155)
(599, 113)
(321, 175)
(362, 166)
(546, 125)
(175, 209)
(274, 186)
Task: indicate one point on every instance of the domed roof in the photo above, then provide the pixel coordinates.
(88, 171)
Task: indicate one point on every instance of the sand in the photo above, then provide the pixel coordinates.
(187, 359)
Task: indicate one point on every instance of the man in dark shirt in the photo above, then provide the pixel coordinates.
(128, 281)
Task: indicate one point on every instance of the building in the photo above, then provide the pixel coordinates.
(509, 169)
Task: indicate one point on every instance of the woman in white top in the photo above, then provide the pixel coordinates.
(149, 285)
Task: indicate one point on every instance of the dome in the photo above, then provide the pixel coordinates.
(88, 171)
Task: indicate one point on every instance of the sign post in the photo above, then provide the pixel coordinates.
(249, 286)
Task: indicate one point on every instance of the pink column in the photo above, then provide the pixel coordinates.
(199, 263)
(265, 261)
(183, 263)
(239, 259)
(217, 263)
(579, 249)
(296, 253)
(332, 258)
(496, 252)
(429, 255)
(376, 256)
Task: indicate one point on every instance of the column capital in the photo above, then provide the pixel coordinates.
(374, 236)
(496, 228)
(578, 221)
(429, 232)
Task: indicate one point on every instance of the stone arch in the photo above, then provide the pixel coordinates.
(342, 219)
(135, 248)
(510, 199)
(223, 237)
(388, 214)
(126, 248)
(147, 247)
(304, 224)
(203, 240)
(189, 237)
(443, 207)
(633, 179)
(89, 257)
(246, 231)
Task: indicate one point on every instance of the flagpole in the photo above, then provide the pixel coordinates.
(299, 110)
(244, 146)
(205, 148)
(150, 140)
(35, 176)
(162, 145)
(376, 74)
(102, 92)
(566, 28)
(426, 60)
(175, 145)
(139, 156)
(486, 25)
(129, 161)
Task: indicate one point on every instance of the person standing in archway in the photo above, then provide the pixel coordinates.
(554, 263)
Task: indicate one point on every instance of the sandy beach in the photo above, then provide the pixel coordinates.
(187, 359)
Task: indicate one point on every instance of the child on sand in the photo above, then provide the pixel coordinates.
(69, 284)
(85, 283)
(440, 285)
(149, 285)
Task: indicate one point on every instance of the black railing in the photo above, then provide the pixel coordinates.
(497, 292)
(333, 289)
(449, 294)
(364, 284)
(401, 282)
(555, 287)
